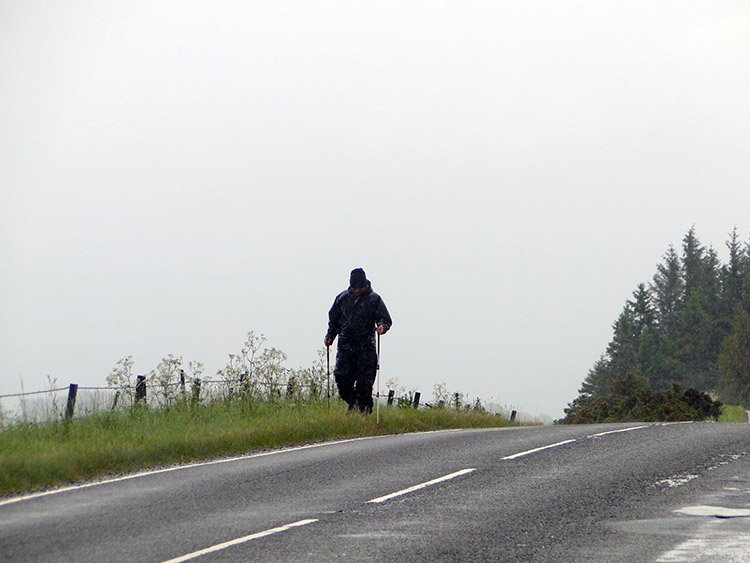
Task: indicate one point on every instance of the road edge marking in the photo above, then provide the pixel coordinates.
(149, 472)
(191, 465)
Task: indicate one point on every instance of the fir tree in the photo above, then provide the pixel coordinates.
(596, 382)
(734, 361)
(622, 351)
(698, 338)
(667, 289)
(690, 327)
(644, 314)
(653, 364)
(732, 275)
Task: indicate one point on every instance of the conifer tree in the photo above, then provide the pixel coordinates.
(694, 345)
(644, 314)
(732, 275)
(734, 358)
(596, 382)
(745, 292)
(692, 261)
(689, 327)
(622, 351)
(734, 361)
(698, 339)
(667, 288)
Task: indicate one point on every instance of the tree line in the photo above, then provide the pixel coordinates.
(689, 328)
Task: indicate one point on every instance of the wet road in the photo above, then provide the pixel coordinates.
(634, 492)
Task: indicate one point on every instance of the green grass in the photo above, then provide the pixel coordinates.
(51, 454)
(732, 414)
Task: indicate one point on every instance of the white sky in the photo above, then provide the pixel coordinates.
(176, 174)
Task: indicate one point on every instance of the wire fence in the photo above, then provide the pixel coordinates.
(76, 401)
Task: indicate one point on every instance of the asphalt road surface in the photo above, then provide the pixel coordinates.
(624, 492)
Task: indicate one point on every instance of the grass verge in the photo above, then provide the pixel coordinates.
(731, 413)
(51, 454)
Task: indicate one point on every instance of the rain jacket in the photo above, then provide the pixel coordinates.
(354, 318)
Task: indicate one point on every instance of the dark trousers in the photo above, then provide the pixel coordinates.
(356, 367)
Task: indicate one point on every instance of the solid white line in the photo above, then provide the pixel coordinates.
(147, 473)
(177, 468)
(527, 452)
(421, 485)
(617, 431)
(220, 546)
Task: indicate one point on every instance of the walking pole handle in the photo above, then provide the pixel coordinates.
(378, 364)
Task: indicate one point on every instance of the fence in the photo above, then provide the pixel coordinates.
(66, 403)
(53, 404)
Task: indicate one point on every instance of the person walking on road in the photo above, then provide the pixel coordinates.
(357, 314)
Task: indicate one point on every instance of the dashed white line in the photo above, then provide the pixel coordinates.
(220, 546)
(421, 486)
(527, 452)
(147, 473)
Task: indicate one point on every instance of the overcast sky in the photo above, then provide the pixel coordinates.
(176, 174)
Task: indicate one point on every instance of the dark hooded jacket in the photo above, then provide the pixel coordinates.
(354, 318)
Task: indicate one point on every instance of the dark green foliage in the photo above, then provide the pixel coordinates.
(734, 360)
(595, 383)
(633, 403)
(689, 327)
(667, 288)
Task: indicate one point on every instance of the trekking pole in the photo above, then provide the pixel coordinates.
(328, 375)
(377, 394)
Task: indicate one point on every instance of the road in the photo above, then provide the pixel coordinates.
(621, 492)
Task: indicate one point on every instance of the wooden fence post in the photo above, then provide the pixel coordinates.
(417, 395)
(196, 391)
(513, 416)
(391, 394)
(140, 389)
(117, 397)
(72, 394)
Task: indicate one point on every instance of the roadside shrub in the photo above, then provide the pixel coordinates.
(646, 406)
